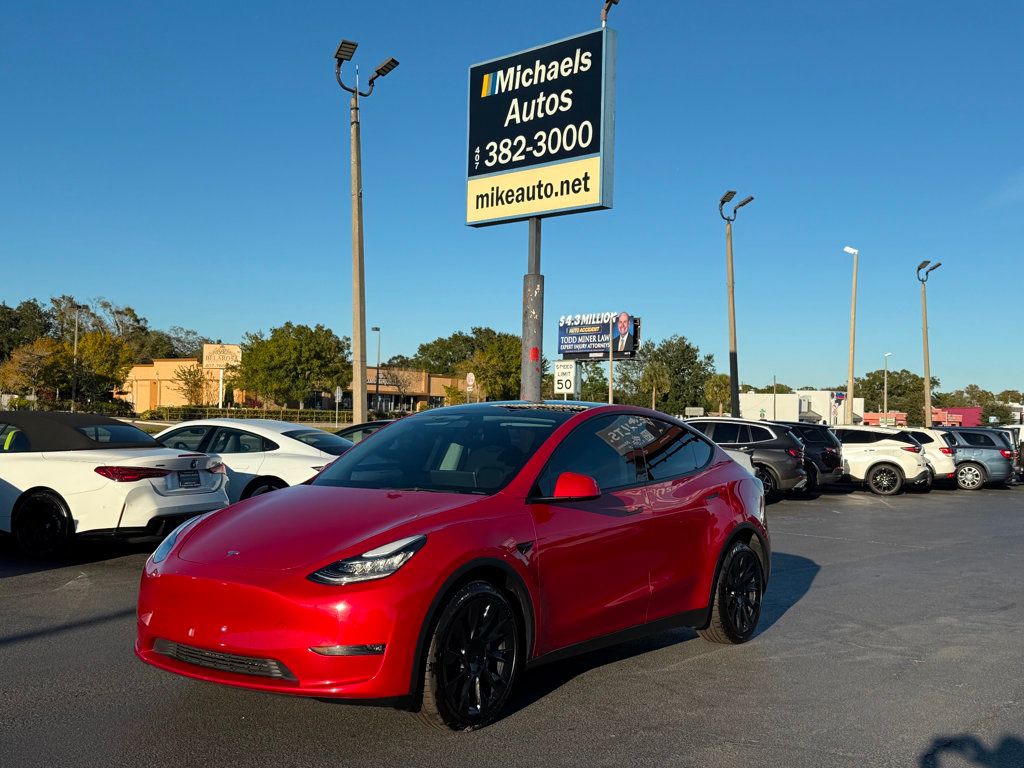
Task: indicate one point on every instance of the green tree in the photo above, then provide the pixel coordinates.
(497, 366)
(778, 387)
(447, 356)
(22, 324)
(717, 394)
(1010, 396)
(655, 379)
(688, 371)
(999, 411)
(293, 362)
(453, 395)
(192, 383)
(103, 363)
(906, 392)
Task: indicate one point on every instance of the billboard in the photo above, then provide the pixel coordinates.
(590, 337)
(541, 129)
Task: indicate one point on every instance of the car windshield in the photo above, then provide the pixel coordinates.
(322, 441)
(471, 451)
(117, 433)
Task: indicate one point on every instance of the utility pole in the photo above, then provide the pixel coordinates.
(853, 332)
(923, 278)
(74, 360)
(376, 378)
(532, 356)
(611, 361)
(885, 386)
(346, 49)
(734, 375)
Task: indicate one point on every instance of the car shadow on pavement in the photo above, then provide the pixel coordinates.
(14, 563)
(791, 579)
(69, 626)
(1007, 753)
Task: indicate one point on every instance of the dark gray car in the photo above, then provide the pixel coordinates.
(823, 453)
(982, 456)
(776, 453)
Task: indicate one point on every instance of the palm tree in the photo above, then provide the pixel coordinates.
(655, 378)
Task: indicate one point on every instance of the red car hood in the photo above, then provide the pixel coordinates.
(307, 525)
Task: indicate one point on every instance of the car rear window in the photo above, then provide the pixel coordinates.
(322, 441)
(813, 436)
(903, 437)
(975, 438)
(116, 433)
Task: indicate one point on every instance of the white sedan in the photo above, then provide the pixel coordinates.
(261, 455)
(72, 474)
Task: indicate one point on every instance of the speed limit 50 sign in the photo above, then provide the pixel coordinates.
(566, 378)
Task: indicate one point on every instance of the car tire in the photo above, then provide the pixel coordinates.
(42, 525)
(739, 592)
(262, 486)
(472, 660)
(767, 478)
(885, 480)
(970, 476)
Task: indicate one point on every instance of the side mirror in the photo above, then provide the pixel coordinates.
(572, 486)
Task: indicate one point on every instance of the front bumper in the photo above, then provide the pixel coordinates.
(257, 630)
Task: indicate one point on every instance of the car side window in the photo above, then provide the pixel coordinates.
(727, 433)
(760, 435)
(812, 436)
(674, 452)
(235, 441)
(13, 440)
(854, 436)
(973, 438)
(703, 426)
(607, 448)
(922, 438)
(186, 438)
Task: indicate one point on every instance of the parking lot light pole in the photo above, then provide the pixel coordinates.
(734, 375)
(346, 49)
(885, 385)
(923, 278)
(848, 415)
(74, 359)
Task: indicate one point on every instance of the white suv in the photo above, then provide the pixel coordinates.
(939, 451)
(885, 459)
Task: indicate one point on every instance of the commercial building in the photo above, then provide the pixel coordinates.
(157, 384)
(813, 406)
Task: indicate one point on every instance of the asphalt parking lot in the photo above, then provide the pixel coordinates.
(893, 635)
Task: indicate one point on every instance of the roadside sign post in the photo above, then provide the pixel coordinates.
(470, 384)
(337, 404)
(541, 129)
(566, 378)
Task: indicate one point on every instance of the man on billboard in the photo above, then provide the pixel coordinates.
(622, 336)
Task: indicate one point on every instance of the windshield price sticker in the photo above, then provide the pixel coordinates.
(530, 115)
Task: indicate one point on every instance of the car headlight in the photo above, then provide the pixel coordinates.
(375, 564)
(167, 544)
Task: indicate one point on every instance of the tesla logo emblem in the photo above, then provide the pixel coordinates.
(233, 552)
(195, 463)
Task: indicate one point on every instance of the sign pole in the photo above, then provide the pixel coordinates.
(533, 319)
(220, 390)
(611, 361)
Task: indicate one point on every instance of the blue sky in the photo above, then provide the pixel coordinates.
(191, 160)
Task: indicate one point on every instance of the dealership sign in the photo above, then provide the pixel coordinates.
(221, 356)
(541, 129)
(592, 336)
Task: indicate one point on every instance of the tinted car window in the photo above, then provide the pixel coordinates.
(186, 438)
(901, 437)
(922, 437)
(116, 433)
(856, 436)
(726, 432)
(13, 440)
(674, 451)
(703, 426)
(814, 436)
(975, 438)
(474, 451)
(608, 449)
(322, 441)
(235, 441)
(760, 434)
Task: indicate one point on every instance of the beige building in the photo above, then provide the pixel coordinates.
(155, 385)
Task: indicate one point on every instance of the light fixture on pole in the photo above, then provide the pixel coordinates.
(922, 276)
(345, 51)
(605, 11)
(376, 378)
(848, 415)
(885, 385)
(734, 375)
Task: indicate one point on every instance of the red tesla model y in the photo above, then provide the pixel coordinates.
(435, 560)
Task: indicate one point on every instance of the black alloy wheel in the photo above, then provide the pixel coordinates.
(738, 595)
(262, 487)
(885, 480)
(473, 659)
(767, 479)
(42, 525)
